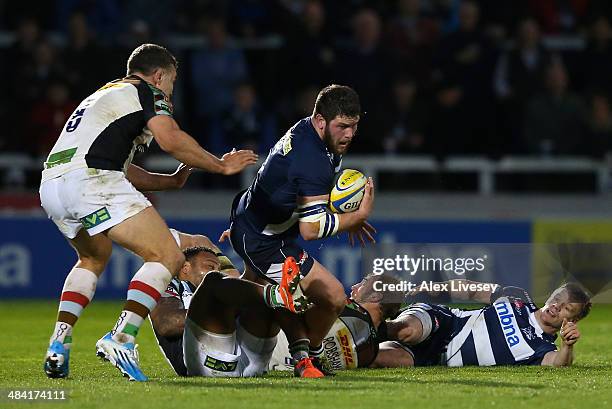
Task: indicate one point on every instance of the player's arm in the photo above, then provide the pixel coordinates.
(185, 241)
(185, 149)
(565, 355)
(316, 221)
(168, 317)
(146, 181)
(391, 355)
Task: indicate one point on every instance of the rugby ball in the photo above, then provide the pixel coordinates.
(348, 191)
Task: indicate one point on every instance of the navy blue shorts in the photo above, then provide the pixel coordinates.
(265, 256)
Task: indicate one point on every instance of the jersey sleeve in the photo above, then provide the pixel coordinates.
(514, 293)
(542, 348)
(312, 179)
(172, 291)
(153, 101)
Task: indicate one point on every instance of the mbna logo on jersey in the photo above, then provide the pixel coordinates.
(508, 323)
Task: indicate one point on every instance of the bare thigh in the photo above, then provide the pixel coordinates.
(323, 288)
(259, 321)
(147, 235)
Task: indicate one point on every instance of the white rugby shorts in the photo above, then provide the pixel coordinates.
(93, 199)
(249, 355)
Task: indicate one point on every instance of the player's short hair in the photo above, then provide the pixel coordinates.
(146, 58)
(191, 252)
(337, 100)
(577, 294)
(390, 302)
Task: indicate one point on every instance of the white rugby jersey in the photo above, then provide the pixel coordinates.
(172, 348)
(352, 342)
(107, 128)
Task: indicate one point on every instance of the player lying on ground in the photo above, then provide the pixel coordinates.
(198, 321)
(93, 194)
(511, 330)
(288, 198)
(353, 340)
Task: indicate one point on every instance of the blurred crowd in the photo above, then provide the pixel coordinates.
(440, 77)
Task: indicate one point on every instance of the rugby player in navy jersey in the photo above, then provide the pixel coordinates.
(289, 198)
(511, 330)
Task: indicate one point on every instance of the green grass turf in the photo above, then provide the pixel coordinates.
(92, 383)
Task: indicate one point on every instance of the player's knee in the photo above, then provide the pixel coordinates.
(174, 261)
(213, 277)
(95, 262)
(338, 301)
(335, 299)
(92, 264)
(171, 257)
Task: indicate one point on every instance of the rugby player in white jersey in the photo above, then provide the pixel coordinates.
(198, 322)
(91, 191)
(511, 330)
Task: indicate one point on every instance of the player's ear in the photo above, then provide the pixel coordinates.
(319, 122)
(157, 75)
(375, 297)
(184, 271)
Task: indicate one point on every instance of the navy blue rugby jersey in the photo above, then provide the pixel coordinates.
(298, 165)
(504, 333)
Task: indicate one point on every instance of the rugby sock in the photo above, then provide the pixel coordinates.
(316, 352)
(127, 327)
(272, 296)
(62, 333)
(299, 349)
(79, 289)
(143, 292)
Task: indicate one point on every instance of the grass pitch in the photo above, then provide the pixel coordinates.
(96, 384)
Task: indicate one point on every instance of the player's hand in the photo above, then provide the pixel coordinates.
(367, 203)
(362, 233)
(224, 236)
(235, 161)
(181, 175)
(569, 332)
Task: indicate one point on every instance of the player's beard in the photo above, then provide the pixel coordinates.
(332, 144)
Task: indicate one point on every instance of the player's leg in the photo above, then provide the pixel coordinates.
(264, 259)
(57, 197)
(261, 321)
(209, 339)
(78, 290)
(328, 296)
(147, 235)
(210, 310)
(305, 334)
(392, 354)
(211, 324)
(219, 298)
